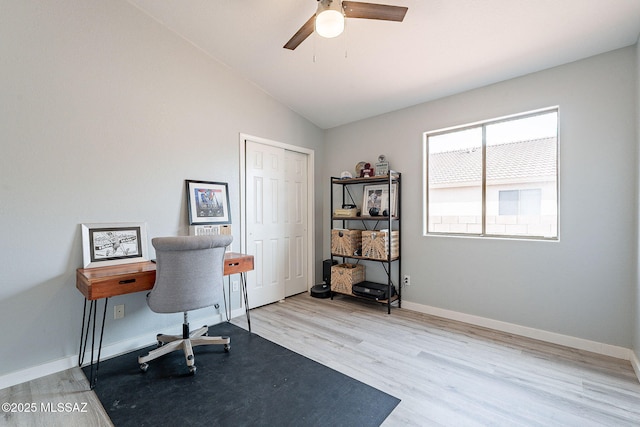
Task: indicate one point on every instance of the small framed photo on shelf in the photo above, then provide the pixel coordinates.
(105, 244)
(382, 167)
(208, 202)
(376, 199)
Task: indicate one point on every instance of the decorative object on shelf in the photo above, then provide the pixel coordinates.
(106, 244)
(382, 167)
(359, 167)
(377, 196)
(347, 212)
(346, 175)
(208, 202)
(366, 172)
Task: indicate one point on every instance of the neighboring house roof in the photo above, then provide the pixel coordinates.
(521, 160)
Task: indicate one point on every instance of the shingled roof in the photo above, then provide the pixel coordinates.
(528, 160)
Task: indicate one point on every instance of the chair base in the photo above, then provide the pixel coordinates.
(170, 343)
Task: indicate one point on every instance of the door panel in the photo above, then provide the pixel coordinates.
(265, 202)
(296, 280)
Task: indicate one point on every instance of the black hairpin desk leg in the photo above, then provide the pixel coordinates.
(84, 335)
(243, 285)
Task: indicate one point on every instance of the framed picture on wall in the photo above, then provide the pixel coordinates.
(106, 244)
(208, 202)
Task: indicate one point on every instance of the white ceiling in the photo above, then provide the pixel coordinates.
(442, 47)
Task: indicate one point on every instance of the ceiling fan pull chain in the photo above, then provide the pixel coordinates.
(314, 48)
(346, 41)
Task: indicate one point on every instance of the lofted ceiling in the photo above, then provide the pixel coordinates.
(443, 47)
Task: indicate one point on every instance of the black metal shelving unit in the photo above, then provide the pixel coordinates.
(393, 224)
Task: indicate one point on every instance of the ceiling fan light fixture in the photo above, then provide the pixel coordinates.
(330, 20)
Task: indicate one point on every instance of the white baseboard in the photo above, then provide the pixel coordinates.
(635, 362)
(108, 351)
(538, 334)
(34, 372)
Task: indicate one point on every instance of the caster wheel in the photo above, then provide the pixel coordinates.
(144, 367)
(192, 369)
(227, 348)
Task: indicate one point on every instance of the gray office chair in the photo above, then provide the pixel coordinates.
(189, 276)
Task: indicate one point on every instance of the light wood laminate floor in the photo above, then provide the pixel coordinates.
(446, 373)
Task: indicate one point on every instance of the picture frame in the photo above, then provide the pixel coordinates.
(377, 196)
(105, 244)
(208, 202)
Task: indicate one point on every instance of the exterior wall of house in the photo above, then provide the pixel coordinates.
(447, 215)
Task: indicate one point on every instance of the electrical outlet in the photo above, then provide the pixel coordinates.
(118, 311)
(407, 280)
(235, 286)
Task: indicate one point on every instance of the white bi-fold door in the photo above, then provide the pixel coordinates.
(276, 222)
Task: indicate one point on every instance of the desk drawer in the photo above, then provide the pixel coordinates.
(105, 287)
(238, 264)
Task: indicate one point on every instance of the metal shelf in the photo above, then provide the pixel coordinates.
(393, 178)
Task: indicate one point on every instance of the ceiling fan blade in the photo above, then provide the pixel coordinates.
(305, 31)
(354, 9)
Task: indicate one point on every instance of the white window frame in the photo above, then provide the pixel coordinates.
(483, 124)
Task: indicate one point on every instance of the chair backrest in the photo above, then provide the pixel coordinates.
(189, 272)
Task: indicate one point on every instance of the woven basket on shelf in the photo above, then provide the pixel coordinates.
(344, 276)
(345, 242)
(375, 244)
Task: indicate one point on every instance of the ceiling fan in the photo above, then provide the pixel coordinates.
(328, 21)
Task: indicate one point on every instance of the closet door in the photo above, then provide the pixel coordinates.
(296, 223)
(265, 210)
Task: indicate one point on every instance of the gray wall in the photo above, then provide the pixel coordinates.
(104, 114)
(581, 286)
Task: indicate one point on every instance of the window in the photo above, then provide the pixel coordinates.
(495, 178)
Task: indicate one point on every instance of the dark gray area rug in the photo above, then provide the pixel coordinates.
(258, 383)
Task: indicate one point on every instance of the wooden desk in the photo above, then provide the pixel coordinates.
(105, 282)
